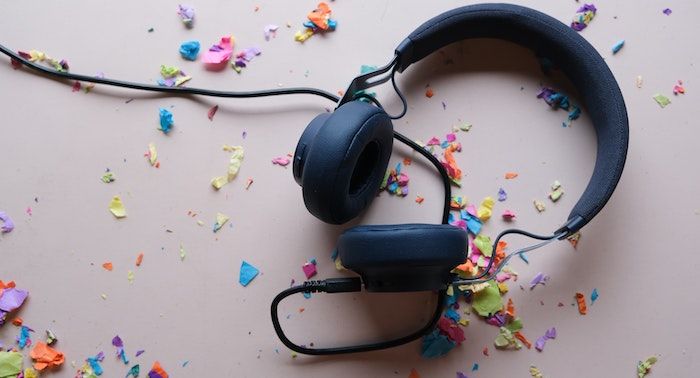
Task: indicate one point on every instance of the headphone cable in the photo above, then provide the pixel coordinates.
(170, 90)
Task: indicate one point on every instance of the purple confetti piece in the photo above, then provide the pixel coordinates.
(12, 299)
(8, 225)
(139, 352)
(539, 344)
(117, 342)
(551, 333)
(667, 11)
(502, 195)
(540, 278)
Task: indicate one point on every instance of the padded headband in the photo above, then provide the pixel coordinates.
(567, 49)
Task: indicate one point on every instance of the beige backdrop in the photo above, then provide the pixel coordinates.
(640, 252)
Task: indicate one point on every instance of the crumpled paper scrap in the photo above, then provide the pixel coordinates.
(10, 364)
(7, 224)
(247, 273)
(487, 302)
(234, 166)
(11, 298)
(319, 20)
(219, 53)
(166, 120)
(186, 14)
(44, 356)
(485, 209)
(270, 31)
(643, 367)
(584, 15)
(189, 50)
(117, 207)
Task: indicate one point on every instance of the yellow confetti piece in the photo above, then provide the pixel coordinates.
(535, 372)
(539, 206)
(221, 220)
(117, 207)
(30, 373)
(234, 166)
(486, 209)
(639, 81)
(152, 154)
(130, 276)
(199, 222)
(503, 287)
(300, 36)
(464, 322)
(103, 296)
(182, 253)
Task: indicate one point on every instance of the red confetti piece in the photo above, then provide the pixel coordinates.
(212, 111)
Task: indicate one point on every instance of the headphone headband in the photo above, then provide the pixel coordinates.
(581, 63)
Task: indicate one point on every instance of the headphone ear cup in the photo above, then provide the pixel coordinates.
(403, 257)
(307, 138)
(345, 162)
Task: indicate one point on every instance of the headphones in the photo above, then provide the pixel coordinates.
(341, 158)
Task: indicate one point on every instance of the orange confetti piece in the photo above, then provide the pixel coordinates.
(320, 15)
(301, 309)
(157, 369)
(452, 169)
(523, 339)
(44, 356)
(139, 259)
(17, 321)
(108, 266)
(429, 92)
(510, 308)
(467, 267)
(419, 199)
(407, 161)
(4, 286)
(581, 300)
(511, 175)
(414, 374)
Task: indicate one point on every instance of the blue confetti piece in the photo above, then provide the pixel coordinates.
(452, 314)
(248, 272)
(185, 363)
(594, 295)
(189, 50)
(475, 367)
(24, 339)
(95, 365)
(307, 295)
(436, 345)
(524, 258)
(618, 46)
(166, 120)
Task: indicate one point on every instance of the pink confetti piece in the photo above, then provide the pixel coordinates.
(281, 160)
(212, 111)
(219, 53)
(508, 215)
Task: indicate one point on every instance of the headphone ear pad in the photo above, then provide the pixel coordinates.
(346, 161)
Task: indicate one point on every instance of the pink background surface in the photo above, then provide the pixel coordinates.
(640, 252)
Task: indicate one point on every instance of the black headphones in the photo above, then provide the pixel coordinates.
(341, 157)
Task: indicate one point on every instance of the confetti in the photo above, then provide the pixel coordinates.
(247, 273)
(244, 57)
(419, 199)
(667, 11)
(130, 276)
(638, 81)
(281, 161)
(508, 215)
(485, 209)
(152, 155)
(539, 206)
(643, 367)
(594, 296)
(618, 46)
(212, 111)
(219, 53)
(234, 166)
(189, 50)
(45, 357)
(535, 372)
(108, 266)
(584, 16)
(7, 224)
(186, 14)
(550, 334)
(539, 279)
(108, 177)
(139, 259)
(502, 195)
(157, 371)
(574, 239)
(50, 337)
(678, 88)
(172, 76)
(558, 100)
(662, 100)
(248, 183)
(556, 192)
(166, 120)
(221, 220)
(183, 253)
(10, 364)
(429, 93)
(510, 175)
(134, 371)
(116, 207)
(395, 182)
(581, 300)
(319, 21)
(413, 373)
(270, 31)
(487, 301)
(309, 269)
